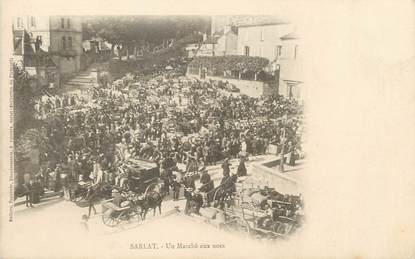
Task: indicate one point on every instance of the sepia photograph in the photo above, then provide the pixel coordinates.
(179, 129)
(122, 120)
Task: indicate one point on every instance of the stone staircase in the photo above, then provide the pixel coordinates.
(83, 79)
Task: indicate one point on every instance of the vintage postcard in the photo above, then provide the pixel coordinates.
(208, 131)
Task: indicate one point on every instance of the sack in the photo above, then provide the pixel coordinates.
(258, 199)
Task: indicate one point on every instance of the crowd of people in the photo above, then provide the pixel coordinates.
(50, 103)
(166, 120)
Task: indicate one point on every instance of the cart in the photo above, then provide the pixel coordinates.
(112, 215)
(264, 219)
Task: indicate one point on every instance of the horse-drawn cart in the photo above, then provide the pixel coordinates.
(260, 213)
(264, 213)
(143, 175)
(112, 215)
(79, 190)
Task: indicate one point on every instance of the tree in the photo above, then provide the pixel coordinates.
(128, 32)
(23, 93)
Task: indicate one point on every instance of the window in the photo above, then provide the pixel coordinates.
(262, 33)
(62, 23)
(278, 50)
(295, 51)
(19, 22)
(247, 51)
(32, 21)
(290, 90)
(68, 23)
(70, 42)
(63, 42)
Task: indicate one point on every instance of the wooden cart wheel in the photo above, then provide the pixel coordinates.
(109, 220)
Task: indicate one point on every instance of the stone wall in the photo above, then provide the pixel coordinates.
(271, 177)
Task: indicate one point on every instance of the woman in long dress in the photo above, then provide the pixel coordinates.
(241, 171)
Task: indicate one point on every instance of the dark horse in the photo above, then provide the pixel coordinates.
(95, 195)
(150, 200)
(223, 192)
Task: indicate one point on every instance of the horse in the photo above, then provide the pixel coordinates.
(223, 192)
(96, 195)
(150, 200)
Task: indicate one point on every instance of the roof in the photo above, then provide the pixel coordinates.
(260, 21)
(18, 36)
(18, 50)
(141, 163)
(218, 33)
(211, 40)
(290, 36)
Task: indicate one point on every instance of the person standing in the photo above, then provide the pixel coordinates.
(207, 186)
(205, 180)
(176, 188)
(189, 183)
(291, 154)
(27, 184)
(58, 183)
(241, 171)
(226, 167)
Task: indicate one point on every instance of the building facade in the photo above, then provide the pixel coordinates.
(227, 43)
(262, 40)
(59, 36)
(221, 43)
(291, 69)
(277, 42)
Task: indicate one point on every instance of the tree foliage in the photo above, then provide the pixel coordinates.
(28, 141)
(153, 30)
(230, 63)
(25, 89)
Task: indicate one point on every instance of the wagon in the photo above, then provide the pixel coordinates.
(112, 215)
(78, 190)
(143, 175)
(263, 218)
(259, 219)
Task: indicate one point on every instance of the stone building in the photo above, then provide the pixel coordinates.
(59, 36)
(27, 55)
(290, 62)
